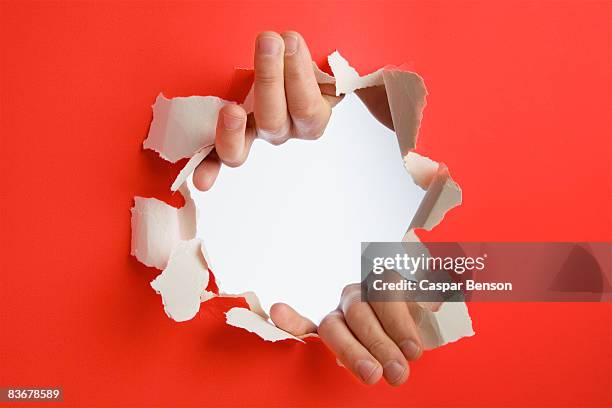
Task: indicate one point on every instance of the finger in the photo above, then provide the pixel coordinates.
(270, 106)
(397, 322)
(286, 318)
(362, 321)
(232, 143)
(308, 109)
(352, 354)
(206, 173)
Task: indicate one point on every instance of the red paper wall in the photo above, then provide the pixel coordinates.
(519, 109)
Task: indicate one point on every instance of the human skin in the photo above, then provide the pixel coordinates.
(371, 339)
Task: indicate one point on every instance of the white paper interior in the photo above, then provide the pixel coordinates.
(288, 223)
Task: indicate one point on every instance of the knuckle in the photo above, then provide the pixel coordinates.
(377, 346)
(304, 111)
(277, 142)
(328, 323)
(296, 73)
(400, 332)
(393, 321)
(268, 75)
(318, 132)
(307, 131)
(324, 326)
(234, 110)
(350, 302)
(272, 129)
(234, 161)
(275, 125)
(350, 288)
(397, 323)
(346, 353)
(354, 312)
(231, 154)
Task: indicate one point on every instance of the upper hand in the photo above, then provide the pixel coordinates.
(288, 102)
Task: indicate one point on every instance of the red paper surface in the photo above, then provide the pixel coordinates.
(519, 109)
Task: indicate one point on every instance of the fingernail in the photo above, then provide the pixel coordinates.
(411, 349)
(268, 45)
(231, 122)
(291, 44)
(394, 371)
(366, 369)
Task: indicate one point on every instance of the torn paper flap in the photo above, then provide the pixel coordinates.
(191, 165)
(158, 227)
(421, 168)
(181, 126)
(253, 302)
(182, 284)
(449, 324)
(254, 323)
(406, 95)
(347, 78)
(207, 295)
(442, 195)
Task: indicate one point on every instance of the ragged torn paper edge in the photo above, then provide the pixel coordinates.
(439, 323)
(184, 127)
(254, 323)
(157, 228)
(182, 284)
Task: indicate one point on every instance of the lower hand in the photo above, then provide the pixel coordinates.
(371, 339)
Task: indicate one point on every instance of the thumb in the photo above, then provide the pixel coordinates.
(287, 319)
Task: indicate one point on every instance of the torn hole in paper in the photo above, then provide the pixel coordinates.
(298, 252)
